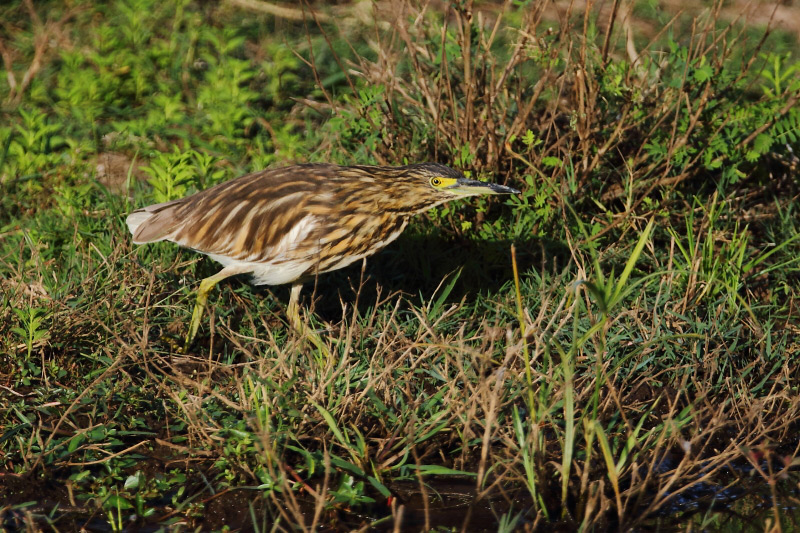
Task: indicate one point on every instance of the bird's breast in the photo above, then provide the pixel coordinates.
(358, 238)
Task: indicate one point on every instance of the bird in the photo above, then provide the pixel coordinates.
(290, 224)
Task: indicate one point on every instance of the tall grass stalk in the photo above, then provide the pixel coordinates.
(523, 333)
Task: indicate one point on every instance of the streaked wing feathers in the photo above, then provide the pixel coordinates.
(243, 218)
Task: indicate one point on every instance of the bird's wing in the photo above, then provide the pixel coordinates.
(244, 219)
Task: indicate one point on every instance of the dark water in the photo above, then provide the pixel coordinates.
(745, 505)
(748, 513)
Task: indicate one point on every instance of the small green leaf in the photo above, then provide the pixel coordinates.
(117, 502)
(75, 442)
(132, 482)
(437, 470)
(762, 143)
(385, 492)
(703, 73)
(551, 162)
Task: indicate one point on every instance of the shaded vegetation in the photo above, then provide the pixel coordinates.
(616, 345)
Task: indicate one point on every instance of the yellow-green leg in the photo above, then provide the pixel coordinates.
(293, 313)
(292, 310)
(202, 298)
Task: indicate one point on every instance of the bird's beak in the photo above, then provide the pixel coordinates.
(469, 187)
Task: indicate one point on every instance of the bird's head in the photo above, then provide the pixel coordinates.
(445, 180)
(429, 184)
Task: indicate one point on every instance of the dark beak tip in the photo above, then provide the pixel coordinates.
(503, 189)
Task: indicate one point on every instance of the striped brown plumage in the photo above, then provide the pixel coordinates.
(288, 224)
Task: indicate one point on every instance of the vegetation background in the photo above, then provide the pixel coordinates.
(615, 348)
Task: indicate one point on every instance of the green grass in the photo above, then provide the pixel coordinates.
(618, 339)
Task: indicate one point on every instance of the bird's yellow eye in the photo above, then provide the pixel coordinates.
(436, 182)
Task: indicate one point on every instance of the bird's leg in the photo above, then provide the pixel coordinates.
(293, 313)
(293, 310)
(202, 298)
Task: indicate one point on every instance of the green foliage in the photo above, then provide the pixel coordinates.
(780, 74)
(719, 135)
(171, 174)
(358, 126)
(31, 146)
(32, 333)
(707, 265)
(225, 100)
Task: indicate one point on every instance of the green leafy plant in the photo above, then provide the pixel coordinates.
(32, 333)
(171, 174)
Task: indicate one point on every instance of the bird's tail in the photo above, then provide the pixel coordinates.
(153, 223)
